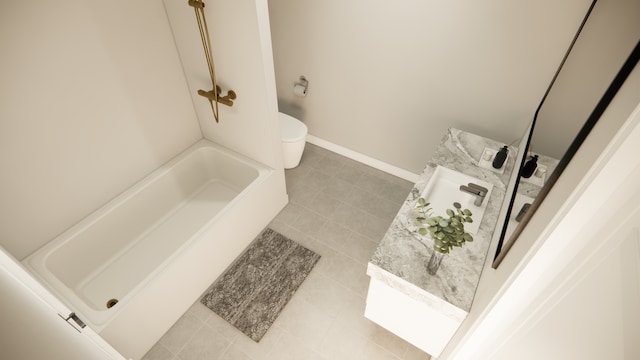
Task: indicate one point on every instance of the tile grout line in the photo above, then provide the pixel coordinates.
(177, 355)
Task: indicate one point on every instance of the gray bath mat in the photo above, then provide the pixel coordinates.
(252, 292)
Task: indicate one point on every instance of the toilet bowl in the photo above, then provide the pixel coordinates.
(293, 133)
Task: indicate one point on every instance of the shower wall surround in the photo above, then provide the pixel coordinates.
(84, 114)
(241, 47)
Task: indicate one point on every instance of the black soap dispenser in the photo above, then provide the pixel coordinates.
(501, 156)
(530, 167)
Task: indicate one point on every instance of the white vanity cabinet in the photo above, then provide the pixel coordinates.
(417, 322)
(426, 310)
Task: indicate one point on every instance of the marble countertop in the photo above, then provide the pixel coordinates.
(401, 257)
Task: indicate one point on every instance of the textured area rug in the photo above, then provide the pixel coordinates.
(252, 292)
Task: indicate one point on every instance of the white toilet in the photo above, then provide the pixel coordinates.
(293, 133)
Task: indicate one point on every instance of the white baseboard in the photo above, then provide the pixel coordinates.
(354, 155)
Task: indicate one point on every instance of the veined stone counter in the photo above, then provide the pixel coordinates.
(400, 260)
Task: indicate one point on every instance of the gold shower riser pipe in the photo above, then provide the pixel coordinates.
(212, 95)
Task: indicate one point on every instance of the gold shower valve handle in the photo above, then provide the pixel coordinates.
(196, 3)
(230, 94)
(225, 100)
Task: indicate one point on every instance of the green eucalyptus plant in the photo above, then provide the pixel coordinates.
(446, 233)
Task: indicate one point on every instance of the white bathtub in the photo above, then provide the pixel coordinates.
(134, 266)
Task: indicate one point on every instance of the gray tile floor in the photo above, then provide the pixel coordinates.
(341, 209)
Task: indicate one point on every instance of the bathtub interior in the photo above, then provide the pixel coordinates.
(100, 263)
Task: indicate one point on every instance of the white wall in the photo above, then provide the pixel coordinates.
(593, 314)
(92, 99)
(387, 78)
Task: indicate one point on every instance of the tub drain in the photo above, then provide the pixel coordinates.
(111, 303)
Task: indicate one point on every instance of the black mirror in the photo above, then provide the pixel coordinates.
(598, 61)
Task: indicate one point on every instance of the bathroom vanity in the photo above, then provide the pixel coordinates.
(424, 309)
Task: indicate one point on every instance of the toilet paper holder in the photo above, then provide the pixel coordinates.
(300, 86)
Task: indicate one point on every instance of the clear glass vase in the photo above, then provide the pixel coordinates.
(434, 262)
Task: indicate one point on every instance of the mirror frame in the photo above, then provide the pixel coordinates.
(621, 76)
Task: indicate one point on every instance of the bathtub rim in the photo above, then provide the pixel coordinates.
(36, 262)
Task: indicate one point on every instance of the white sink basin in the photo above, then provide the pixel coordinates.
(443, 189)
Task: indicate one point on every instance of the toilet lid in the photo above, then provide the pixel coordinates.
(292, 129)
